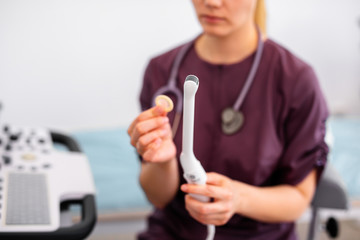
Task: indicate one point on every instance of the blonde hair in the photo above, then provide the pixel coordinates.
(260, 15)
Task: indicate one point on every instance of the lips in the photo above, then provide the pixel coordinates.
(211, 18)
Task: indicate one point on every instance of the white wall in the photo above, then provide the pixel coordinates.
(326, 33)
(78, 64)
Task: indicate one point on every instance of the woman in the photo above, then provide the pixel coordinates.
(261, 178)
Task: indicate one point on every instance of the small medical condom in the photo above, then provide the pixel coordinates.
(164, 101)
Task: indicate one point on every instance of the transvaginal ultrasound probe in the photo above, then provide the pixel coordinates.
(194, 173)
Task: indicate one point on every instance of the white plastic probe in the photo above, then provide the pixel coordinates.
(194, 173)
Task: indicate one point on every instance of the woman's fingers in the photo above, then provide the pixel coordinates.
(212, 191)
(147, 126)
(161, 151)
(144, 141)
(215, 178)
(217, 213)
(150, 133)
(207, 207)
(157, 111)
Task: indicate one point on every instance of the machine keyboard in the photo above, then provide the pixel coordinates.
(27, 199)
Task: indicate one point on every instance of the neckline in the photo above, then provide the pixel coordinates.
(248, 58)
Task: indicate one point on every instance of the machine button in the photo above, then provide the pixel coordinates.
(6, 159)
(6, 129)
(46, 165)
(8, 147)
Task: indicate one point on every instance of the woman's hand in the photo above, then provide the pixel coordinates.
(273, 204)
(150, 134)
(224, 193)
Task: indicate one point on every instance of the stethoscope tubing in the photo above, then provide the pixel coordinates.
(250, 78)
(170, 87)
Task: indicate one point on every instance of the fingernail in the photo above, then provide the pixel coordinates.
(184, 188)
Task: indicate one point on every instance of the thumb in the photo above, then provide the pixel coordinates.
(165, 102)
(158, 111)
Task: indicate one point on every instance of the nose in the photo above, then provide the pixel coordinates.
(213, 3)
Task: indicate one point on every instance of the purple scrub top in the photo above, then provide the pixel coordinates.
(280, 142)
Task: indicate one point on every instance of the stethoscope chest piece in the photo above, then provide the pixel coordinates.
(232, 120)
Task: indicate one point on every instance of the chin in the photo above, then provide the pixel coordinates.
(215, 32)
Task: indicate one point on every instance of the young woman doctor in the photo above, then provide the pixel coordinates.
(261, 177)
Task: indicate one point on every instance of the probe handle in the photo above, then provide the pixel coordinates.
(194, 173)
(199, 197)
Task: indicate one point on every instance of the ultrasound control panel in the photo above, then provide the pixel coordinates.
(20, 147)
(35, 178)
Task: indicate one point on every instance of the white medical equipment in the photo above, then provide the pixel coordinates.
(39, 182)
(194, 173)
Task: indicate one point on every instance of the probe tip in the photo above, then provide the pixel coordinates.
(192, 78)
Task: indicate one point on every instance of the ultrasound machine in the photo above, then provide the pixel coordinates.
(39, 182)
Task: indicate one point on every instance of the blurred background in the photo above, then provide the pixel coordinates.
(77, 65)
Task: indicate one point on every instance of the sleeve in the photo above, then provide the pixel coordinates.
(305, 128)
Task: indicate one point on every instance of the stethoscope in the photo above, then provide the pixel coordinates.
(232, 117)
